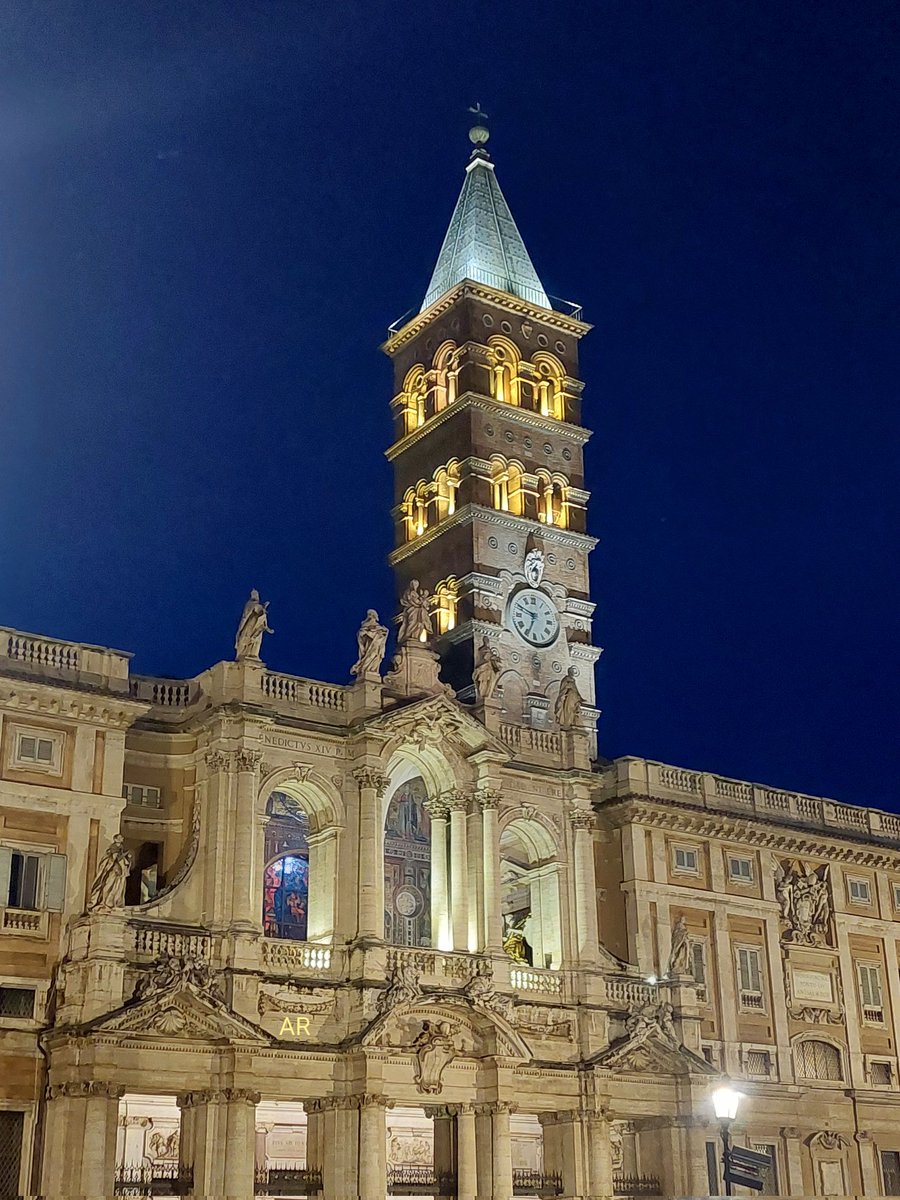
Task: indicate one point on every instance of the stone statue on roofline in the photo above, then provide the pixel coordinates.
(371, 641)
(488, 666)
(415, 615)
(253, 624)
(567, 708)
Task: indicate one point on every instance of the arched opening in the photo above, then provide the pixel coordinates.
(407, 866)
(550, 401)
(817, 1059)
(446, 485)
(415, 511)
(507, 492)
(146, 877)
(286, 875)
(446, 599)
(504, 367)
(415, 390)
(529, 875)
(553, 507)
(446, 373)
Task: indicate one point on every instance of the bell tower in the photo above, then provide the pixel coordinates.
(489, 498)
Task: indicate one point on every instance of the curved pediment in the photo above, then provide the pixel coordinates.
(476, 1032)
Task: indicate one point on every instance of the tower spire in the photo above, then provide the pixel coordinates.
(482, 241)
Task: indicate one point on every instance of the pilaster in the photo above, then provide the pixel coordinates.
(370, 914)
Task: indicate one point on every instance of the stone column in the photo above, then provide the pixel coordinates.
(600, 1155)
(323, 871)
(239, 1111)
(372, 1147)
(441, 933)
(587, 930)
(501, 1151)
(246, 906)
(476, 879)
(216, 834)
(370, 886)
(793, 1159)
(444, 1155)
(484, 1169)
(314, 1146)
(489, 802)
(466, 1164)
(340, 1140)
(202, 1149)
(80, 1139)
(458, 804)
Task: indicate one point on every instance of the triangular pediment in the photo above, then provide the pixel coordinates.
(653, 1055)
(438, 719)
(183, 1014)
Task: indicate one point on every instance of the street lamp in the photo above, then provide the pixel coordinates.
(726, 1101)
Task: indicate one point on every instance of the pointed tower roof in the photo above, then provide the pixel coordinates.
(483, 242)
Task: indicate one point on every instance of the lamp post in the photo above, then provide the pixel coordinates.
(726, 1101)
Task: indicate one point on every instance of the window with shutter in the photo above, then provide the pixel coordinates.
(750, 977)
(859, 891)
(872, 1004)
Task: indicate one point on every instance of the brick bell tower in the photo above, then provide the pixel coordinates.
(489, 499)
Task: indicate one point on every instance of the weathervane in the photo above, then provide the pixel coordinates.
(479, 133)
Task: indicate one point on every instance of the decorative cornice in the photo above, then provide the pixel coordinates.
(469, 513)
(55, 699)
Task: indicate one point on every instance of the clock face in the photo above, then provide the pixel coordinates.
(533, 616)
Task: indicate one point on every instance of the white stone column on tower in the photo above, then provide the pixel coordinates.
(458, 806)
(466, 1165)
(373, 1147)
(586, 925)
(441, 931)
(323, 870)
(501, 1150)
(370, 914)
(246, 907)
(489, 801)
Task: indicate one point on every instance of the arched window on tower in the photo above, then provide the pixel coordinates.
(407, 867)
(553, 506)
(446, 597)
(446, 372)
(446, 485)
(507, 494)
(415, 510)
(413, 397)
(550, 400)
(286, 874)
(504, 367)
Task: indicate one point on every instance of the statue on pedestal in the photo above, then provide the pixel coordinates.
(253, 624)
(567, 708)
(415, 615)
(680, 954)
(370, 643)
(108, 889)
(488, 666)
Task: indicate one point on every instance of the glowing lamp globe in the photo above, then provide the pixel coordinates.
(726, 1100)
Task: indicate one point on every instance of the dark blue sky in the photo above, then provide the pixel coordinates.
(210, 212)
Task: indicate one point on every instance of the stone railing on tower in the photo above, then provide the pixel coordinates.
(69, 662)
(700, 789)
(532, 745)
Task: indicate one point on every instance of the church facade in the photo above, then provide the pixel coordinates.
(410, 935)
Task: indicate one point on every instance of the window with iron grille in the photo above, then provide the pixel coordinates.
(819, 1060)
(12, 1125)
(882, 1073)
(769, 1175)
(759, 1062)
(890, 1172)
(16, 1001)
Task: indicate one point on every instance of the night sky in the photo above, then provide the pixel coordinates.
(210, 213)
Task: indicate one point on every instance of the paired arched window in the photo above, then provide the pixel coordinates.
(446, 374)
(446, 599)
(415, 510)
(503, 361)
(430, 502)
(816, 1059)
(413, 399)
(553, 507)
(548, 386)
(507, 492)
(286, 873)
(407, 867)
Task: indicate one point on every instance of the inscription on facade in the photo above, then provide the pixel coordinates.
(285, 741)
(812, 985)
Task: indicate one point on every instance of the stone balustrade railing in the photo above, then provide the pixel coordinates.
(298, 958)
(52, 658)
(622, 993)
(639, 776)
(307, 693)
(530, 979)
(531, 743)
(164, 693)
(150, 941)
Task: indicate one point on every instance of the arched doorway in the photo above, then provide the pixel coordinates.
(286, 874)
(407, 866)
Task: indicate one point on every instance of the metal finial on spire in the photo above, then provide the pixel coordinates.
(479, 133)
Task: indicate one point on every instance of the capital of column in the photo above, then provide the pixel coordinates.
(440, 1112)
(487, 798)
(198, 1098)
(456, 800)
(496, 1106)
(371, 777)
(371, 1100)
(241, 1096)
(436, 808)
(581, 818)
(247, 760)
(789, 1131)
(315, 1106)
(217, 760)
(80, 1088)
(863, 1137)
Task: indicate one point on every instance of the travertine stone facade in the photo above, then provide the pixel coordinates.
(261, 934)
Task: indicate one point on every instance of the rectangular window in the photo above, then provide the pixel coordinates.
(698, 962)
(712, 1167)
(34, 750)
(142, 796)
(859, 891)
(897, 896)
(769, 1174)
(749, 969)
(12, 1126)
(870, 996)
(890, 1172)
(23, 880)
(882, 1074)
(686, 860)
(759, 1063)
(31, 882)
(740, 869)
(16, 1002)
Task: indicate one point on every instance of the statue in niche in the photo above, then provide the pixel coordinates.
(370, 644)
(514, 943)
(415, 615)
(680, 954)
(434, 1049)
(108, 889)
(253, 624)
(488, 666)
(616, 1145)
(567, 708)
(802, 892)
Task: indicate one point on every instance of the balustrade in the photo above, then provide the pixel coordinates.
(626, 992)
(291, 689)
(293, 957)
(150, 941)
(528, 979)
